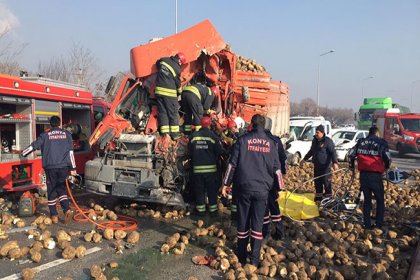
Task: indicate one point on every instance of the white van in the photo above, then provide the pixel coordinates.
(302, 131)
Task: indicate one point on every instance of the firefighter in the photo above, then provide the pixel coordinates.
(323, 154)
(230, 135)
(168, 87)
(205, 149)
(272, 212)
(373, 159)
(56, 145)
(255, 165)
(232, 132)
(196, 101)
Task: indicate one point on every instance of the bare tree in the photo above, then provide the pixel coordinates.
(307, 107)
(80, 67)
(9, 52)
(85, 68)
(56, 68)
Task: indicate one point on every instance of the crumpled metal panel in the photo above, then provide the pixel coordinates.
(192, 41)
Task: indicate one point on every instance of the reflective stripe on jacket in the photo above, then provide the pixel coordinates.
(202, 92)
(168, 81)
(204, 148)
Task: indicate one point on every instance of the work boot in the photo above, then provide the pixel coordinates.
(68, 216)
(54, 219)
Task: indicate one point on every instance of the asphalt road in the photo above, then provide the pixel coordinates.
(407, 162)
(143, 261)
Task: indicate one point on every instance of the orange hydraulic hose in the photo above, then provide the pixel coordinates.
(127, 224)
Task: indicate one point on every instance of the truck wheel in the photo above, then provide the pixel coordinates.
(400, 150)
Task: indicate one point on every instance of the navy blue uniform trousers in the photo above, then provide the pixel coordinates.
(56, 189)
(272, 213)
(322, 184)
(206, 183)
(251, 208)
(371, 182)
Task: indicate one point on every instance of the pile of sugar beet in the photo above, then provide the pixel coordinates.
(331, 246)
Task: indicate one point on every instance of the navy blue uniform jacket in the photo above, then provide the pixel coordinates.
(322, 152)
(254, 162)
(56, 146)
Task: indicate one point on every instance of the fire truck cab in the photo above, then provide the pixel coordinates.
(26, 104)
(401, 131)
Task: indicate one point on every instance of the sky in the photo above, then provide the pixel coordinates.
(375, 38)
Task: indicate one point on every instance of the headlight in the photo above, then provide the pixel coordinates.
(408, 138)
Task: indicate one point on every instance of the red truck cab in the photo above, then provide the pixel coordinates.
(401, 131)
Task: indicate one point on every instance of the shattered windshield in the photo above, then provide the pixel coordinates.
(309, 133)
(349, 135)
(295, 131)
(133, 102)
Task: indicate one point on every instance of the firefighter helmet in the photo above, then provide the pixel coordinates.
(205, 121)
(215, 91)
(231, 124)
(182, 58)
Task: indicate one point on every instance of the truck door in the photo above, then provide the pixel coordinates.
(394, 133)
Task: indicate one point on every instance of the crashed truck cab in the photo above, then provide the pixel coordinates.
(135, 162)
(130, 165)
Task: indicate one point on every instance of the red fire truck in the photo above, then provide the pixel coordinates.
(401, 131)
(26, 104)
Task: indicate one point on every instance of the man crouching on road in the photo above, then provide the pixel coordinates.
(56, 146)
(255, 165)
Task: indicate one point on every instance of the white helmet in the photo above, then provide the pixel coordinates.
(240, 123)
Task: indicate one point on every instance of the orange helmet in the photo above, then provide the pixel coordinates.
(231, 124)
(181, 57)
(205, 121)
(215, 90)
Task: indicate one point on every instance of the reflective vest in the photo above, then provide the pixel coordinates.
(205, 149)
(203, 93)
(168, 81)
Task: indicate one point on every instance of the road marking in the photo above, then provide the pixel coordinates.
(48, 265)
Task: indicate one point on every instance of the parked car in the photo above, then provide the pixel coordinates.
(302, 131)
(345, 139)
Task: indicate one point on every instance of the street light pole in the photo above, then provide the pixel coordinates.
(176, 16)
(319, 74)
(365, 79)
(411, 93)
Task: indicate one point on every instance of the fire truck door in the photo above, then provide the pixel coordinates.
(394, 133)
